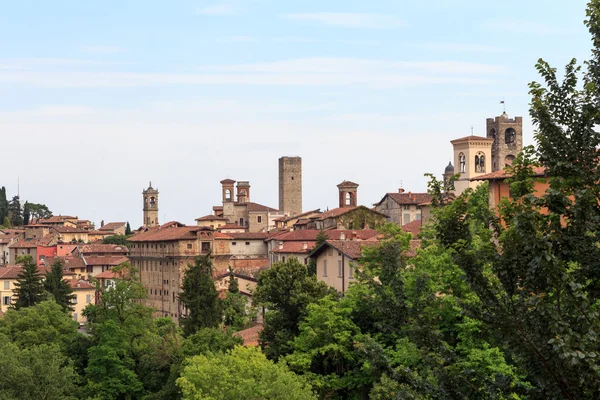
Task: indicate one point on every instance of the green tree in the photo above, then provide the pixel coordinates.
(199, 296)
(6, 223)
(3, 206)
(128, 229)
(243, 373)
(26, 213)
(37, 372)
(235, 315)
(29, 289)
(285, 290)
(120, 240)
(38, 211)
(15, 212)
(55, 285)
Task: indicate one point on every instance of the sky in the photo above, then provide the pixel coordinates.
(99, 98)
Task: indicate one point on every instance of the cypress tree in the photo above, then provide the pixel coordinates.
(58, 287)
(29, 289)
(128, 229)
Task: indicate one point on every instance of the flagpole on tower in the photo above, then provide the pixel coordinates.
(503, 105)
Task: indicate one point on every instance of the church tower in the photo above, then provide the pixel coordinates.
(472, 155)
(347, 194)
(290, 185)
(150, 206)
(507, 134)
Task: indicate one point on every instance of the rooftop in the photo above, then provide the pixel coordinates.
(504, 174)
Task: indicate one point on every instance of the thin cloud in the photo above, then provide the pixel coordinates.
(519, 26)
(349, 20)
(218, 9)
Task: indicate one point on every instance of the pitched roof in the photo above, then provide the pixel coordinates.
(68, 262)
(226, 181)
(25, 244)
(211, 217)
(55, 219)
(349, 184)
(336, 212)
(12, 272)
(105, 260)
(307, 235)
(295, 247)
(467, 138)
(297, 216)
(219, 235)
(103, 248)
(351, 248)
(80, 284)
(254, 207)
(250, 335)
(413, 227)
(7, 237)
(407, 198)
(68, 229)
(504, 174)
(108, 274)
(231, 226)
(111, 226)
(166, 234)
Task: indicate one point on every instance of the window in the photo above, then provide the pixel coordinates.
(6, 285)
(325, 268)
(241, 221)
(493, 133)
(189, 246)
(74, 300)
(406, 207)
(418, 217)
(406, 219)
(509, 136)
(247, 243)
(350, 271)
(6, 300)
(479, 162)
(233, 243)
(228, 194)
(283, 258)
(259, 219)
(75, 316)
(88, 298)
(205, 247)
(463, 163)
(340, 269)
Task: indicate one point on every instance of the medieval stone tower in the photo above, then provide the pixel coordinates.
(150, 206)
(508, 139)
(290, 185)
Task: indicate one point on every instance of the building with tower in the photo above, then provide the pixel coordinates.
(347, 193)
(150, 196)
(290, 185)
(507, 134)
(472, 155)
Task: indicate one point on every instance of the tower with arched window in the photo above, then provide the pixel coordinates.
(150, 197)
(507, 134)
(472, 155)
(348, 191)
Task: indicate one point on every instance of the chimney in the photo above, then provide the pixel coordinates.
(354, 235)
(343, 236)
(304, 246)
(400, 190)
(280, 245)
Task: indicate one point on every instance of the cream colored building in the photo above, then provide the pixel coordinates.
(472, 158)
(85, 293)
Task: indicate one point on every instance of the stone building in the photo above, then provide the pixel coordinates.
(472, 155)
(290, 185)
(507, 134)
(150, 197)
(403, 207)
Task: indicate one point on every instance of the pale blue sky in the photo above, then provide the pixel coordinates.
(97, 98)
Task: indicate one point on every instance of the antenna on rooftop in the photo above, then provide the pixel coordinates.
(18, 187)
(503, 105)
(471, 130)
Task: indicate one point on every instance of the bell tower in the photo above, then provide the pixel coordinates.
(150, 206)
(347, 193)
(507, 134)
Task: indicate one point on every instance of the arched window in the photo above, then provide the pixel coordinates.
(152, 201)
(463, 163)
(348, 199)
(241, 221)
(493, 133)
(242, 192)
(228, 194)
(510, 135)
(480, 162)
(508, 160)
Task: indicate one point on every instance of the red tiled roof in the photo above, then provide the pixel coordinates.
(105, 260)
(347, 184)
(408, 198)
(335, 212)
(80, 284)
(111, 226)
(467, 138)
(295, 247)
(305, 235)
(250, 335)
(231, 226)
(211, 217)
(100, 232)
(351, 248)
(226, 181)
(413, 227)
(219, 235)
(12, 272)
(297, 216)
(108, 274)
(254, 207)
(68, 229)
(25, 244)
(166, 234)
(68, 262)
(103, 248)
(503, 174)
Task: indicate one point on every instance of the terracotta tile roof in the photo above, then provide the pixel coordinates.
(250, 335)
(227, 181)
(68, 229)
(103, 248)
(68, 262)
(211, 217)
(100, 232)
(108, 274)
(297, 216)
(172, 224)
(111, 226)
(351, 248)
(248, 235)
(254, 207)
(503, 174)
(219, 235)
(25, 244)
(335, 212)
(305, 235)
(413, 227)
(80, 284)
(166, 234)
(408, 198)
(467, 138)
(105, 260)
(7, 237)
(13, 231)
(347, 184)
(231, 226)
(12, 272)
(295, 247)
